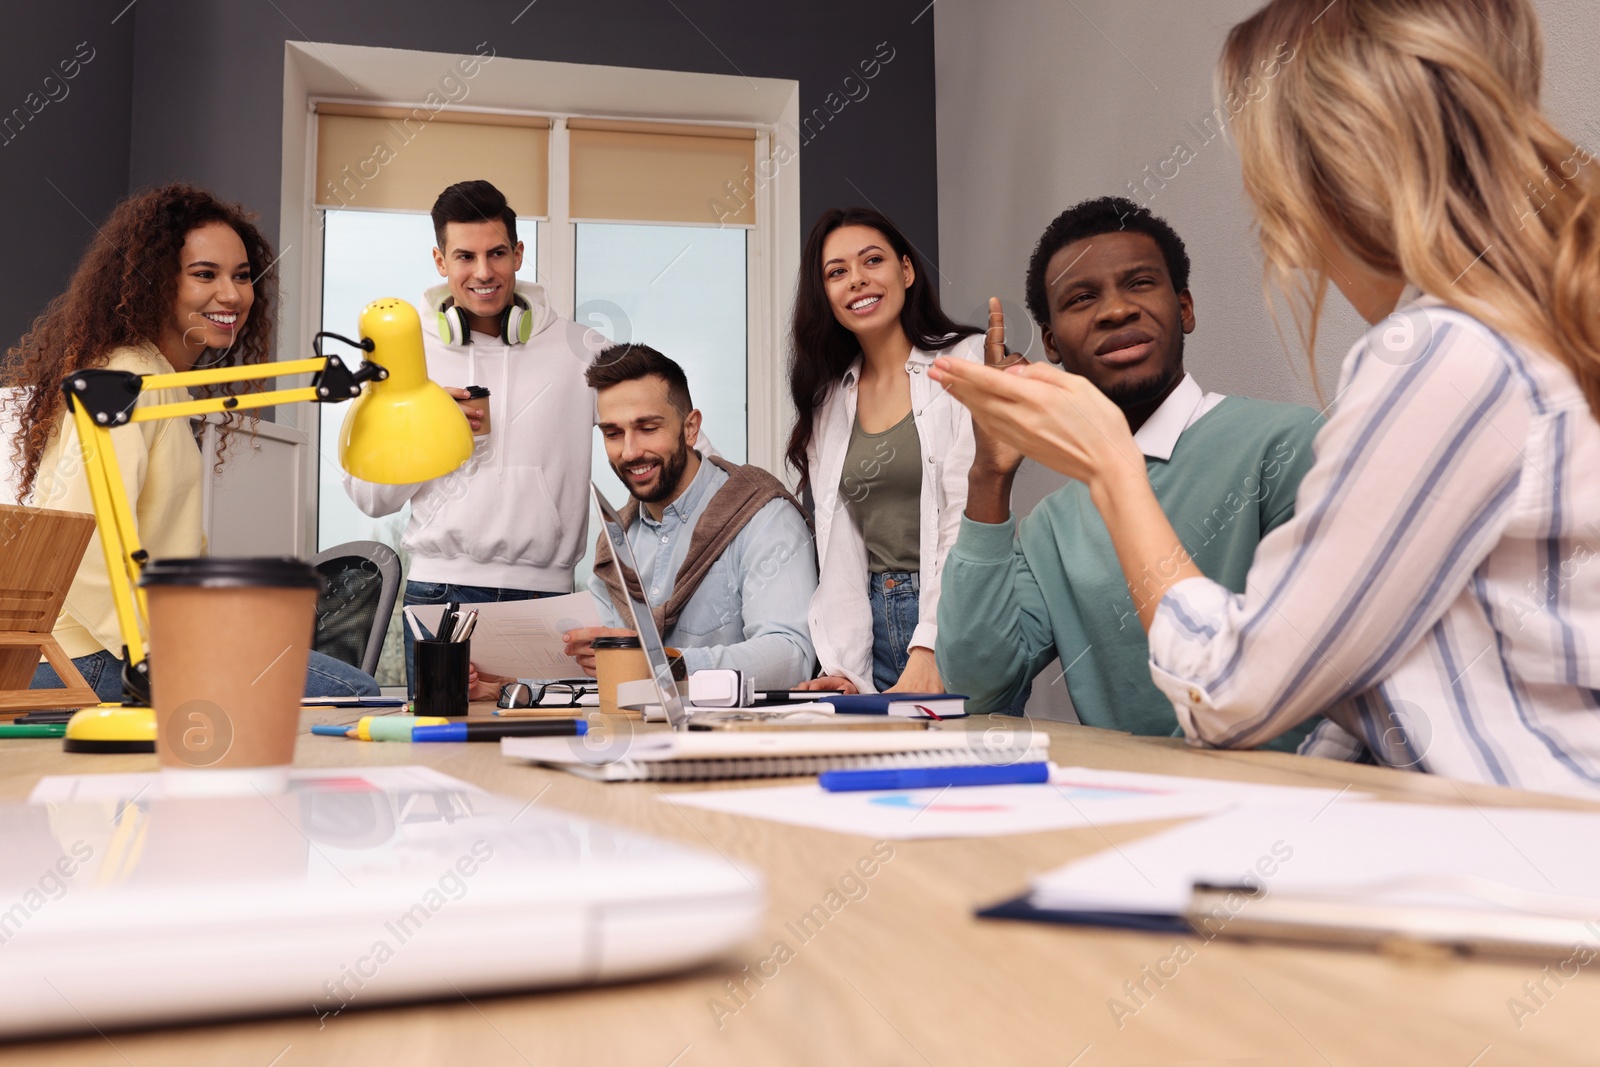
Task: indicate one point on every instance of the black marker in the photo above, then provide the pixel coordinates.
(494, 731)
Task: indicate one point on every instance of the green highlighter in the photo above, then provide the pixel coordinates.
(36, 729)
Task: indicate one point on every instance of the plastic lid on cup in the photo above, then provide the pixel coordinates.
(222, 572)
(602, 643)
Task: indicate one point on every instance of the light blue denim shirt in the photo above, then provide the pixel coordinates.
(749, 613)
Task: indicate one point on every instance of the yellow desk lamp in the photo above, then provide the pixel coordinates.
(401, 429)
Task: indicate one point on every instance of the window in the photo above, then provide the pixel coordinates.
(679, 260)
(367, 255)
(681, 290)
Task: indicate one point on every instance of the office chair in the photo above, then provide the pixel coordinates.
(353, 613)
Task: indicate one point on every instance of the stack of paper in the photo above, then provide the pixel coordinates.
(1468, 876)
(679, 756)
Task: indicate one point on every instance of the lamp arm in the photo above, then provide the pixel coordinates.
(119, 538)
(100, 399)
(419, 413)
(337, 383)
(111, 396)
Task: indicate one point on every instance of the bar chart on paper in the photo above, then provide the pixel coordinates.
(1074, 797)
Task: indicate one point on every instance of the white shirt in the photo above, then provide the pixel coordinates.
(1436, 593)
(749, 611)
(841, 614)
(1180, 410)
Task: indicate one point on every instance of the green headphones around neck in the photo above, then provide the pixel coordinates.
(516, 322)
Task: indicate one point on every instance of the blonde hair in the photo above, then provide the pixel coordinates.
(1408, 133)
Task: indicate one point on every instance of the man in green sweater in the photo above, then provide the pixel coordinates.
(1108, 284)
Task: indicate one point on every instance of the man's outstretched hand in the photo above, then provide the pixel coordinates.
(995, 353)
(994, 463)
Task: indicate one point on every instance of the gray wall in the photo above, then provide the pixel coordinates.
(1043, 105)
(193, 91)
(62, 168)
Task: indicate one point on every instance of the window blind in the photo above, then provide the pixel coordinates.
(659, 172)
(400, 159)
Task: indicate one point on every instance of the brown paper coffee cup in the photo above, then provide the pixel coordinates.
(617, 659)
(622, 659)
(229, 642)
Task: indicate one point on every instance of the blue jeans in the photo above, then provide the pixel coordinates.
(325, 677)
(423, 594)
(894, 596)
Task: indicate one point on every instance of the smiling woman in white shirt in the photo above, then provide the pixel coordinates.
(883, 450)
(1436, 593)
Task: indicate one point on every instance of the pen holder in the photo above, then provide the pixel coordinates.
(442, 677)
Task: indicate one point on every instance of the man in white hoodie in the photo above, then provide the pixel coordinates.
(510, 523)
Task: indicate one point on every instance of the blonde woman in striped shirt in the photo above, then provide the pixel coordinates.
(1437, 593)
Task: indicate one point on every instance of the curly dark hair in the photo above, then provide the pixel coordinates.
(122, 294)
(1091, 218)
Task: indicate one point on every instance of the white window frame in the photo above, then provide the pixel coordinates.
(355, 74)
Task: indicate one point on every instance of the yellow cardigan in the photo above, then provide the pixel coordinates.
(161, 473)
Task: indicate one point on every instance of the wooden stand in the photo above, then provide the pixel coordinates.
(39, 554)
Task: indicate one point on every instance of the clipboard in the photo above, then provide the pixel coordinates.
(1530, 928)
(1024, 910)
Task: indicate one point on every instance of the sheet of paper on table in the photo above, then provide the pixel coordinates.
(1497, 861)
(1076, 797)
(522, 638)
(127, 788)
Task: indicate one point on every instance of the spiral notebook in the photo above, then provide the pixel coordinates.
(697, 757)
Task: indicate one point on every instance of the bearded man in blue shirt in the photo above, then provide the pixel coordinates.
(724, 551)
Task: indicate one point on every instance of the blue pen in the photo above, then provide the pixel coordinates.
(934, 777)
(494, 731)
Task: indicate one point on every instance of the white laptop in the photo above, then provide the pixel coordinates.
(357, 887)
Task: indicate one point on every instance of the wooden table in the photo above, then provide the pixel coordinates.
(905, 974)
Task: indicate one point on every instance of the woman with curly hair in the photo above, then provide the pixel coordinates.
(175, 280)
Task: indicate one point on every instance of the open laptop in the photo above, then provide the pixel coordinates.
(644, 619)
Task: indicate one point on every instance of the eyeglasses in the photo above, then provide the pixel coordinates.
(523, 695)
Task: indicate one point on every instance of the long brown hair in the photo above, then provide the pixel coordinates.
(122, 294)
(1408, 132)
(821, 350)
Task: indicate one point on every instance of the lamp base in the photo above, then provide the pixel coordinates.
(111, 728)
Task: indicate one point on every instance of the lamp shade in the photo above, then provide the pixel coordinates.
(404, 428)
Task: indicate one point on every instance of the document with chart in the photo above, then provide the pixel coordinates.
(522, 638)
